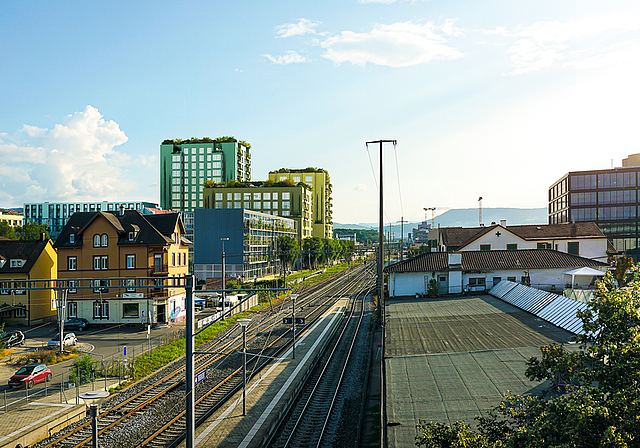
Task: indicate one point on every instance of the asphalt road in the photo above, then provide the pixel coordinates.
(108, 342)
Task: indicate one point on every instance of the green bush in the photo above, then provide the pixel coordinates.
(84, 367)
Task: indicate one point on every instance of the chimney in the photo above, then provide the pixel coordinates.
(574, 229)
(503, 223)
(121, 209)
(43, 236)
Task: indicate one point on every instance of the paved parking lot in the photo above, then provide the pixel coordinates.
(450, 359)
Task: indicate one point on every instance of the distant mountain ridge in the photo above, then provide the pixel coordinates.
(465, 217)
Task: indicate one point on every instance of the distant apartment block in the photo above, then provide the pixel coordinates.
(56, 214)
(607, 197)
(318, 179)
(13, 219)
(294, 202)
(185, 166)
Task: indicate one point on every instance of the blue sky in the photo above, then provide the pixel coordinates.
(495, 99)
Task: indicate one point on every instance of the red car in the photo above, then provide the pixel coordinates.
(29, 375)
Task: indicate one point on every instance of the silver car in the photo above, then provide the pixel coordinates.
(69, 339)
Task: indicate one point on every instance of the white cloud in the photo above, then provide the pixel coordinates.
(360, 187)
(586, 41)
(304, 26)
(291, 57)
(400, 44)
(75, 160)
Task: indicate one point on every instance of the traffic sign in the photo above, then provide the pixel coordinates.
(287, 320)
(200, 376)
(299, 320)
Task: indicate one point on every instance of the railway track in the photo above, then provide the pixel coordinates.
(313, 420)
(152, 413)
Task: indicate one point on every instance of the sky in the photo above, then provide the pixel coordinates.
(497, 99)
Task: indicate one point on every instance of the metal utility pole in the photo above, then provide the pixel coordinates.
(402, 221)
(480, 211)
(381, 233)
(190, 368)
(224, 277)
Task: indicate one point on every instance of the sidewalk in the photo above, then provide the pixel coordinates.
(40, 418)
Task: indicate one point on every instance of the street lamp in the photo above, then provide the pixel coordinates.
(94, 408)
(223, 275)
(293, 322)
(244, 323)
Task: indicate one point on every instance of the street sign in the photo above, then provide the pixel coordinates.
(287, 320)
(299, 320)
(124, 352)
(200, 376)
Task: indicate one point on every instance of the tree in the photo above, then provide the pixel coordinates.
(595, 391)
(6, 230)
(287, 250)
(622, 264)
(31, 231)
(312, 248)
(348, 247)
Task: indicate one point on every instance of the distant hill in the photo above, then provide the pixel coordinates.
(466, 217)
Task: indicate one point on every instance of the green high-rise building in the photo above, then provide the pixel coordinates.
(186, 165)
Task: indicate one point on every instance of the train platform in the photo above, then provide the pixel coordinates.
(270, 393)
(42, 417)
(450, 359)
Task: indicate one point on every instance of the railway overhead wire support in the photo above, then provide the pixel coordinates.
(380, 279)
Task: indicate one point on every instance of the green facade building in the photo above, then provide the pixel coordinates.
(293, 202)
(186, 165)
(320, 183)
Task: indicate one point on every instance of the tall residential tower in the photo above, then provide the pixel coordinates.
(186, 165)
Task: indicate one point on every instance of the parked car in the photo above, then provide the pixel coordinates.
(29, 375)
(11, 339)
(76, 323)
(69, 339)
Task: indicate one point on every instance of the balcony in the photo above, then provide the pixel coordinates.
(159, 270)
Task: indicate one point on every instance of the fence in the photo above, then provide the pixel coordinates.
(103, 373)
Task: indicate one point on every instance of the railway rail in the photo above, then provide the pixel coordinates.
(313, 420)
(151, 412)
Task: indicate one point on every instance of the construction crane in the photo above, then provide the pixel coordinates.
(433, 213)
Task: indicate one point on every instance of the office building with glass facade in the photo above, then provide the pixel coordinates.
(607, 197)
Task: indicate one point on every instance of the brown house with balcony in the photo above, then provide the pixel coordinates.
(107, 257)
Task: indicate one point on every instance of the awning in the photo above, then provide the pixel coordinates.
(583, 272)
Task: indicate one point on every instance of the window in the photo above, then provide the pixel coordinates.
(130, 310)
(132, 236)
(512, 246)
(511, 279)
(100, 285)
(286, 205)
(496, 280)
(296, 179)
(256, 196)
(256, 206)
(218, 196)
(544, 246)
(274, 196)
(72, 309)
(485, 247)
(72, 238)
(99, 262)
(286, 196)
(131, 261)
(20, 285)
(308, 178)
(96, 240)
(72, 263)
(573, 248)
(72, 286)
(21, 312)
(100, 310)
(173, 259)
(130, 284)
(477, 281)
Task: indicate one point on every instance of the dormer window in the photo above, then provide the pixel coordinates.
(17, 263)
(132, 236)
(72, 238)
